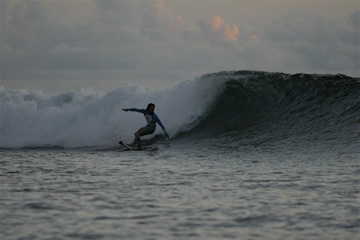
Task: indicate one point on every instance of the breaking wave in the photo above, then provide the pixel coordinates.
(244, 107)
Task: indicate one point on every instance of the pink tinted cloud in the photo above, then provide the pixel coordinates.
(159, 4)
(178, 19)
(216, 23)
(231, 32)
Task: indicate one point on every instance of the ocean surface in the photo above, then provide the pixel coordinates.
(252, 155)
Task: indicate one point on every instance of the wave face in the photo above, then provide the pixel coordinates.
(259, 107)
(236, 108)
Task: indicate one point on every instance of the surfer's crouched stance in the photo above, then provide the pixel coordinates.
(151, 119)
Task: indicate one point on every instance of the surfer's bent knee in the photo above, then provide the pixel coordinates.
(138, 132)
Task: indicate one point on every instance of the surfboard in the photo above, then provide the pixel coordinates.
(127, 146)
(143, 148)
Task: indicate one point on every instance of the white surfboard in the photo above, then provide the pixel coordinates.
(125, 145)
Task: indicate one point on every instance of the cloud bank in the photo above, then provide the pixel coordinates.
(147, 41)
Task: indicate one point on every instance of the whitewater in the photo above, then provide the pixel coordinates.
(251, 155)
(91, 118)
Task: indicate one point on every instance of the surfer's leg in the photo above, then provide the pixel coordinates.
(137, 138)
(141, 132)
(139, 144)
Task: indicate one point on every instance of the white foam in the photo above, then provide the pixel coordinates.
(93, 118)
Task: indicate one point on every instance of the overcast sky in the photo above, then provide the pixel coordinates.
(57, 45)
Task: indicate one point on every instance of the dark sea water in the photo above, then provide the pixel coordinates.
(252, 155)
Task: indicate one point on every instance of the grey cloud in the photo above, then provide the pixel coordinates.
(355, 19)
(323, 44)
(134, 40)
(34, 39)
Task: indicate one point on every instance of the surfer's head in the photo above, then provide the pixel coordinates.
(150, 108)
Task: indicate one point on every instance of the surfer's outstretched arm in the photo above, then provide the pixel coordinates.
(134, 110)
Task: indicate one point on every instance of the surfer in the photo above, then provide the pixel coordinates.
(151, 119)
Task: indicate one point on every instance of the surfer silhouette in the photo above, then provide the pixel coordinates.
(151, 119)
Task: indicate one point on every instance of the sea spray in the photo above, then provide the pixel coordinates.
(92, 118)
